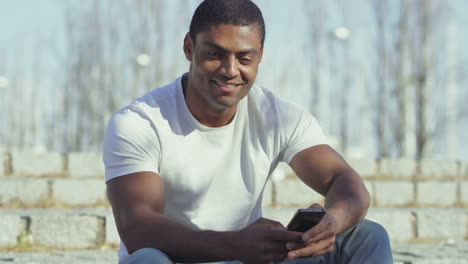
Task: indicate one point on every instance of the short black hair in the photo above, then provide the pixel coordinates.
(230, 12)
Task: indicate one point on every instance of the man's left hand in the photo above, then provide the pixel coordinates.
(317, 241)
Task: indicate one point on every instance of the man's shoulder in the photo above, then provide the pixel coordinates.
(260, 92)
(152, 101)
(262, 98)
(145, 113)
(268, 103)
(158, 96)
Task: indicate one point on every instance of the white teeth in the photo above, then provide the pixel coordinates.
(226, 85)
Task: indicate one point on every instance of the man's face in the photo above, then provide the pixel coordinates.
(224, 64)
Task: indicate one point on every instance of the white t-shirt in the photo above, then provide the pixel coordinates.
(213, 177)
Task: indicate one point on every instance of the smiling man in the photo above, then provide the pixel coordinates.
(187, 163)
(224, 64)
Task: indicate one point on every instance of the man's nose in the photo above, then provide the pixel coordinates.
(230, 66)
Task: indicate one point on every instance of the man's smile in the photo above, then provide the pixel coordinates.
(226, 86)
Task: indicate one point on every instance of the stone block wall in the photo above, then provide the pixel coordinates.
(413, 200)
(42, 179)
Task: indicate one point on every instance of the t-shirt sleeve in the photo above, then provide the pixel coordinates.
(130, 145)
(303, 132)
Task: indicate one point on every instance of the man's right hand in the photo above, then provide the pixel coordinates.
(138, 203)
(263, 241)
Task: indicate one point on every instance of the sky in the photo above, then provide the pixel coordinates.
(24, 23)
(20, 19)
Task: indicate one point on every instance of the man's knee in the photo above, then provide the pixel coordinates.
(367, 242)
(372, 231)
(147, 256)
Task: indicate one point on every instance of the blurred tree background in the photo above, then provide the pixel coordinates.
(385, 78)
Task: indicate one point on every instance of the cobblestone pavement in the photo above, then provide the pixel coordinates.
(447, 253)
(443, 253)
(62, 257)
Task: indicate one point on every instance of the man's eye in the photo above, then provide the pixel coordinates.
(213, 54)
(245, 60)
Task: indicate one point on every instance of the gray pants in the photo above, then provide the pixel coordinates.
(366, 242)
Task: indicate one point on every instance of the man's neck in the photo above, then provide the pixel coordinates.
(205, 114)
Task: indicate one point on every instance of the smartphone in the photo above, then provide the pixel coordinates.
(305, 219)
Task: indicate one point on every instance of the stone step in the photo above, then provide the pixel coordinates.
(95, 228)
(33, 192)
(37, 164)
(384, 193)
(57, 228)
(89, 164)
(30, 192)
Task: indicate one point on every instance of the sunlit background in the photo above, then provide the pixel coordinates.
(385, 78)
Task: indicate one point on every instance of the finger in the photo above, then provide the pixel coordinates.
(277, 257)
(278, 248)
(272, 258)
(322, 234)
(275, 225)
(326, 234)
(313, 249)
(313, 232)
(270, 223)
(267, 248)
(315, 254)
(284, 236)
(325, 251)
(323, 243)
(324, 226)
(260, 220)
(315, 205)
(295, 245)
(303, 252)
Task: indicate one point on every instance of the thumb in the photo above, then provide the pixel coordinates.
(316, 205)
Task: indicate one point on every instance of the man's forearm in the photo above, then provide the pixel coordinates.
(347, 200)
(179, 242)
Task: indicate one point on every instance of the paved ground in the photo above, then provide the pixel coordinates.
(447, 253)
(62, 257)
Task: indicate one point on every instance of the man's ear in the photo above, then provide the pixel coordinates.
(188, 47)
(260, 55)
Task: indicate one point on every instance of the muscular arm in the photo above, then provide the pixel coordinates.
(138, 204)
(325, 171)
(346, 198)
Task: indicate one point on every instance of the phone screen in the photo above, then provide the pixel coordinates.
(305, 219)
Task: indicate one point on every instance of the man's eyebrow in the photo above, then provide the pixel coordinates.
(214, 45)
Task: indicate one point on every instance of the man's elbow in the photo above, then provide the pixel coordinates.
(136, 233)
(131, 235)
(366, 201)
